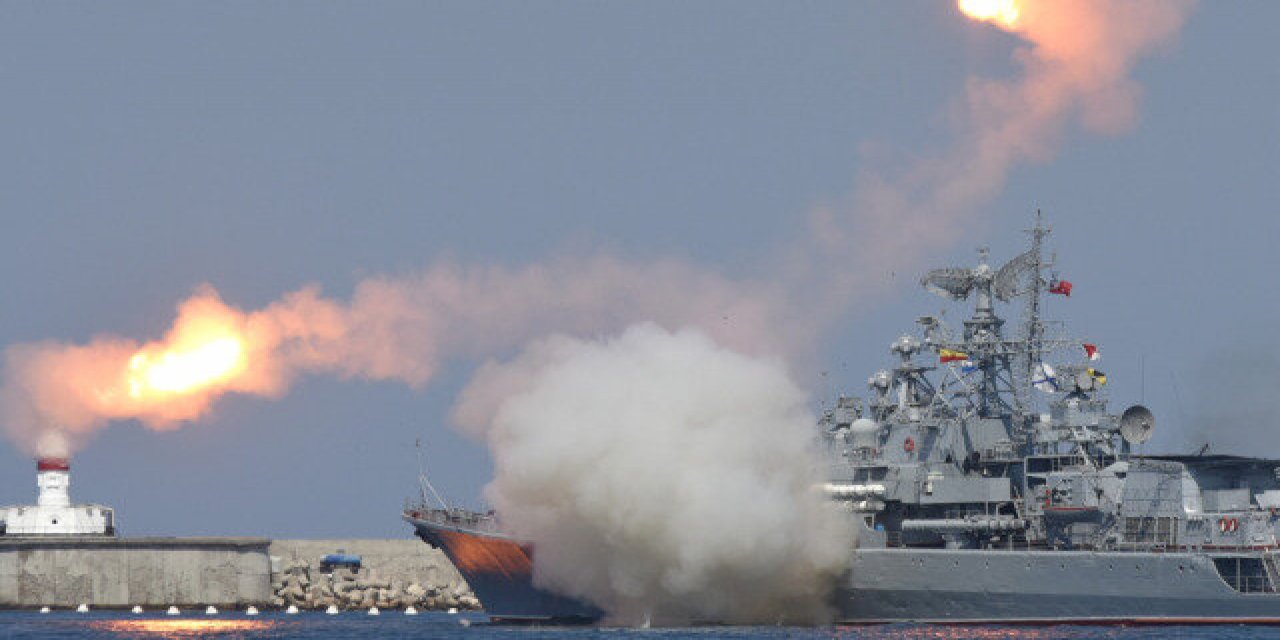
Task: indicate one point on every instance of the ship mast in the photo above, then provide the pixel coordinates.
(1034, 326)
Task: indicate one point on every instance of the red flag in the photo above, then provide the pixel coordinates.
(1091, 350)
(1062, 288)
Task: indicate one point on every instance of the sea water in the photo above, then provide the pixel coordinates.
(106, 625)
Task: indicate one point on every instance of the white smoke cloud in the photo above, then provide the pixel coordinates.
(659, 473)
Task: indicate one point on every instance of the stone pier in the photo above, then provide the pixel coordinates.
(393, 574)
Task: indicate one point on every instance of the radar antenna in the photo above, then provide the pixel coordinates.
(1137, 423)
(950, 282)
(1005, 284)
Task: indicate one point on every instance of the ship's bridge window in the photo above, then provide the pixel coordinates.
(1149, 530)
(870, 473)
(1045, 464)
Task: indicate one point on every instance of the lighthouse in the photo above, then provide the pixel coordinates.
(53, 514)
(53, 477)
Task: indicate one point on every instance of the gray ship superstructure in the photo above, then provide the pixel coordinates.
(991, 483)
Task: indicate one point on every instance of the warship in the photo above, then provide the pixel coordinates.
(974, 505)
(990, 483)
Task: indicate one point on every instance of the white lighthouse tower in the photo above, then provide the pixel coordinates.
(53, 514)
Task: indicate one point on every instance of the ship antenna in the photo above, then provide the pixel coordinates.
(424, 485)
(1142, 362)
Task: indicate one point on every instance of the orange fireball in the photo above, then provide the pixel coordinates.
(185, 368)
(207, 348)
(1000, 12)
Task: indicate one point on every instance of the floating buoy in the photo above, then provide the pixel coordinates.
(211, 610)
(453, 611)
(136, 609)
(464, 622)
(83, 608)
(251, 611)
(44, 609)
(332, 610)
(373, 611)
(410, 611)
(292, 610)
(172, 611)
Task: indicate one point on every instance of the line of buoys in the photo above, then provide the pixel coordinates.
(250, 611)
(253, 611)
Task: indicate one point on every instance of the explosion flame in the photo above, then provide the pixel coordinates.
(1002, 12)
(183, 370)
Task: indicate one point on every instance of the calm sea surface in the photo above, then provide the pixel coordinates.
(108, 625)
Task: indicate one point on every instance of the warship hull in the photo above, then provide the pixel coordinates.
(499, 570)
(1050, 587)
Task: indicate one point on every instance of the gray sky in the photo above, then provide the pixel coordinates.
(263, 147)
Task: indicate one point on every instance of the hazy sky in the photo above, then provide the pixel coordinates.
(262, 147)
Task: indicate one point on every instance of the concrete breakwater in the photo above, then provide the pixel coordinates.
(393, 574)
(122, 572)
(228, 573)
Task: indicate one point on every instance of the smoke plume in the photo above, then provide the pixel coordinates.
(661, 474)
(1075, 67)
(55, 396)
(1076, 60)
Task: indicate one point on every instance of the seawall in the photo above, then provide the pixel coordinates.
(156, 572)
(122, 572)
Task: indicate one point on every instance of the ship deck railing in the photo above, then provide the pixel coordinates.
(456, 517)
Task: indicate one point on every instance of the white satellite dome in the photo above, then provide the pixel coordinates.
(864, 425)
